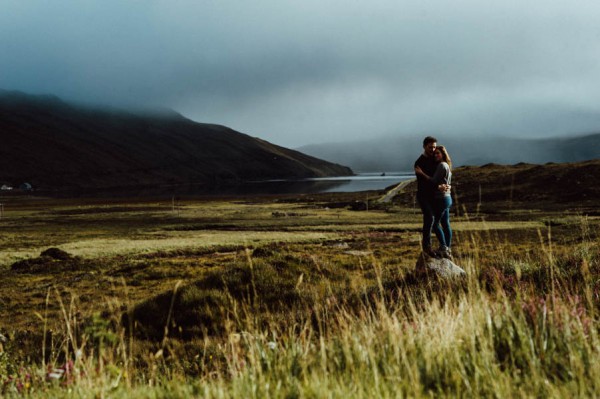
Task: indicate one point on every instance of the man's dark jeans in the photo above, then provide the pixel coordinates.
(426, 204)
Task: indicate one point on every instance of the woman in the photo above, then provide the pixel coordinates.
(442, 200)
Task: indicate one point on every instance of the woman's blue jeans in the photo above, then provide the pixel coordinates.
(441, 221)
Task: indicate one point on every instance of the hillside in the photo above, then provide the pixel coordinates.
(399, 152)
(55, 145)
(497, 188)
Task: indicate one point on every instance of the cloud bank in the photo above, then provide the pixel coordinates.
(300, 72)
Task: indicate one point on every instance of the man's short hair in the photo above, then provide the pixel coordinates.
(428, 140)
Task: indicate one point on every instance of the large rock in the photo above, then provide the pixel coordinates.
(442, 267)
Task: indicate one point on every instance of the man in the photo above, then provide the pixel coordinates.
(426, 191)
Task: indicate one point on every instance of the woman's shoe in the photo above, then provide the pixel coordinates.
(446, 253)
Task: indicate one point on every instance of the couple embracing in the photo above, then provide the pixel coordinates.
(434, 173)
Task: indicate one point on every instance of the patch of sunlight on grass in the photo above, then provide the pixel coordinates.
(458, 226)
(357, 227)
(494, 225)
(185, 240)
(9, 257)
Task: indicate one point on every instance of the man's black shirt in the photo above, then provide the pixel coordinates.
(428, 165)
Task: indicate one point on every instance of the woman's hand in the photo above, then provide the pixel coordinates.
(444, 188)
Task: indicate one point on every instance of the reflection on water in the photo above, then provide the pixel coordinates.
(367, 181)
(360, 182)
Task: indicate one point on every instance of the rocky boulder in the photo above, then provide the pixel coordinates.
(441, 267)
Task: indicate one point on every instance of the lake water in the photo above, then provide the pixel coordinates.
(360, 182)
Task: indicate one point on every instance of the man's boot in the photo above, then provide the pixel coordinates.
(430, 252)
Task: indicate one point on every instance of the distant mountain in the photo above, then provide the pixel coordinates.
(52, 144)
(399, 153)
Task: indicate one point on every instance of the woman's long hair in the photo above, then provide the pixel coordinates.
(445, 156)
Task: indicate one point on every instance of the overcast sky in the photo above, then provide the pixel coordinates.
(308, 71)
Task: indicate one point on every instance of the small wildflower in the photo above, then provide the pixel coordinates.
(235, 338)
(55, 374)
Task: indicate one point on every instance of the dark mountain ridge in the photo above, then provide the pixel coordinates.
(56, 145)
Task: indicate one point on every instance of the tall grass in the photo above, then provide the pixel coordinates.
(526, 326)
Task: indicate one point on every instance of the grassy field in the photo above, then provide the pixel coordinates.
(293, 297)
